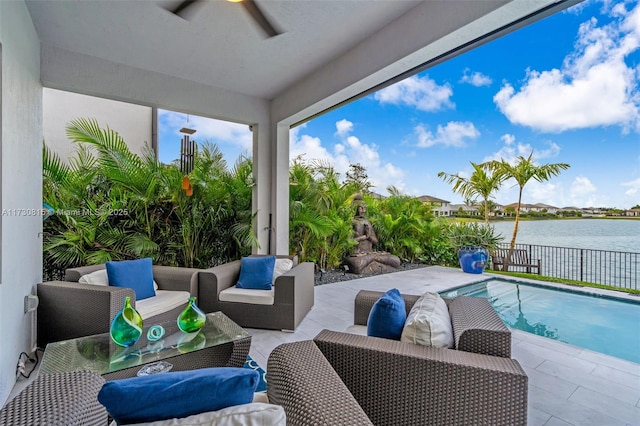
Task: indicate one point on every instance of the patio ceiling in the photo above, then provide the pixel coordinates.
(220, 46)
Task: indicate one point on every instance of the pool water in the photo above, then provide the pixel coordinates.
(602, 324)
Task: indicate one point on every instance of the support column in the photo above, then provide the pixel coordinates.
(280, 192)
(261, 198)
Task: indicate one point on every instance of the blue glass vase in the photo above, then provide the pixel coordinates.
(126, 327)
(191, 319)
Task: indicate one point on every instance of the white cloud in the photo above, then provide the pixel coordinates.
(343, 127)
(594, 87)
(583, 192)
(582, 186)
(475, 79)
(542, 192)
(634, 187)
(512, 149)
(454, 133)
(422, 93)
(309, 147)
(508, 139)
(350, 151)
(215, 131)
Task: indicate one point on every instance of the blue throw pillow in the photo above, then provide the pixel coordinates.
(256, 272)
(134, 274)
(387, 316)
(180, 394)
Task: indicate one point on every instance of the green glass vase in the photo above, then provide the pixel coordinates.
(126, 327)
(191, 319)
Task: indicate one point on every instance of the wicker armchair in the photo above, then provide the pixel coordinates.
(339, 377)
(68, 309)
(347, 379)
(293, 297)
(476, 325)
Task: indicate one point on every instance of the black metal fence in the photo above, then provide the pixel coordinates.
(613, 268)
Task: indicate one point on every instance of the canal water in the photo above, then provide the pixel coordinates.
(596, 234)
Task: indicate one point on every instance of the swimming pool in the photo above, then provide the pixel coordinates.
(599, 323)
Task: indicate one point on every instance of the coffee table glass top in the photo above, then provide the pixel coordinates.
(100, 354)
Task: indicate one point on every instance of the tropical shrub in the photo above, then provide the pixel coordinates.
(472, 234)
(112, 204)
(319, 214)
(401, 223)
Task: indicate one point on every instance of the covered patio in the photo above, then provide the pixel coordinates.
(217, 64)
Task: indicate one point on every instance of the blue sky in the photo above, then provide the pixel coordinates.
(565, 87)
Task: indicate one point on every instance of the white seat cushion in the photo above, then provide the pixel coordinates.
(254, 414)
(163, 301)
(247, 295)
(428, 323)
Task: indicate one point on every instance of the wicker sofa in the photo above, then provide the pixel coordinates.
(293, 296)
(343, 378)
(68, 309)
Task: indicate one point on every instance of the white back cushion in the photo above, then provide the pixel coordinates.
(100, 277)
(428, 323)
(282, 266)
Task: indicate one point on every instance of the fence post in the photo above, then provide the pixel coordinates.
(581, 264)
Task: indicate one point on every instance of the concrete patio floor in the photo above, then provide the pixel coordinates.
(568, 385)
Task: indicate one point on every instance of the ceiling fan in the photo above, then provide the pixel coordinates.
(270, 29)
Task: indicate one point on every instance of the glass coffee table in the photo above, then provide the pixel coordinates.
(219, 343)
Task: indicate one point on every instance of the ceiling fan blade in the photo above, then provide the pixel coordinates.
(183, 7)
(252, 7)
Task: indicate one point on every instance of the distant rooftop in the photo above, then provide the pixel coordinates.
(430, 199)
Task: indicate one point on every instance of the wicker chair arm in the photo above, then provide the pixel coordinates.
(74, 274)
(213, 280)
(176, 278)
(301, 380)
(68, 309)
(478, 328)
(399, 383)
(295, 285)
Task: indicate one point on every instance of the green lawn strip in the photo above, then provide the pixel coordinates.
(566, 281)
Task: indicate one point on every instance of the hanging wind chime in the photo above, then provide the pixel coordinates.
(187, 157)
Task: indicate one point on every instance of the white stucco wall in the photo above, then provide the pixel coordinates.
(65, 70)
(132, 122)
(21, 266)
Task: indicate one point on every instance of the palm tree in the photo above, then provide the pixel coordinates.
(522, 172)
(319, 213)
(480, 184)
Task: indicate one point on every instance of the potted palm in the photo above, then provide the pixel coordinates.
(473, 241)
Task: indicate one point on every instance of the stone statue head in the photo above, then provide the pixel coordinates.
(361, 207)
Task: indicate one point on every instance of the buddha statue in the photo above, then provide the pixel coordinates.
(364, 258)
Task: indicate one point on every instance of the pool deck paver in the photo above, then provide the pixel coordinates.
(568, 385)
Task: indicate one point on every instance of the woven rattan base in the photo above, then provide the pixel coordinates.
(58, 399)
